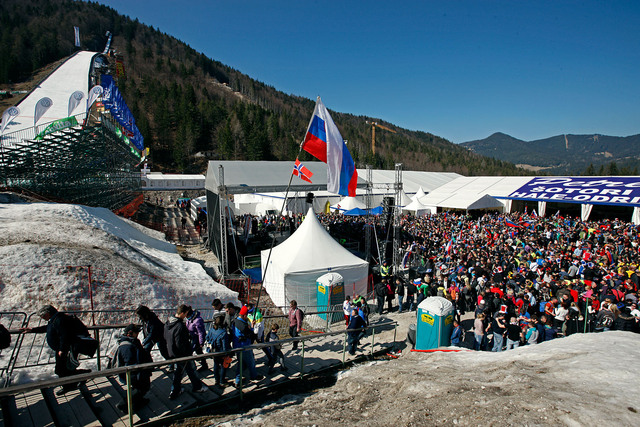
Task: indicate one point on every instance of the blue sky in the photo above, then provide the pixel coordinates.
(458, 69)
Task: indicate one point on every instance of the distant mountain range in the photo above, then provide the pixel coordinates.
(564, 154)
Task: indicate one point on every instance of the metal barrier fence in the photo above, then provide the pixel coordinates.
(10, 140)
(306, 343)
(11, 321)
(30, 350)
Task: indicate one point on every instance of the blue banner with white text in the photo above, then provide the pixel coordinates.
(114, 102)
(588, 190)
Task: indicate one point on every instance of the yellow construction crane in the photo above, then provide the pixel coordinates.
(373, 133)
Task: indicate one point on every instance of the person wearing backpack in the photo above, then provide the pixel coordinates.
(131, 352)
(218, 338)
(63, 332)
(179, 345)
(243, 337)
(295, 321)
(197, 332)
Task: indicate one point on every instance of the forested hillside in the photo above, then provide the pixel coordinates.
(186, 103)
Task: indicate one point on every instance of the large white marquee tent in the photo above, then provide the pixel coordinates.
(310, 252)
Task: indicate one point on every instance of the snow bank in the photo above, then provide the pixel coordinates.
(580, 380)
(45, 249)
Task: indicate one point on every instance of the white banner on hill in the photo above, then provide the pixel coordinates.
(8, 115)
(41, 107)
(74, 101)
(94, 93)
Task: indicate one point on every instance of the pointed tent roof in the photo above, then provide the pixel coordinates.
(415, 206)
(311, 248)
(419, 194)
(404, 199)
(348, 203)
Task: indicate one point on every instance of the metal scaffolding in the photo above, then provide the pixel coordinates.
(93, 165)
(397, 211)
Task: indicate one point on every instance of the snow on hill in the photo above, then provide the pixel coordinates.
(584, 379)
(45, 248)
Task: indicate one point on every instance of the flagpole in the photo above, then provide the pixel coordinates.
(273, 241)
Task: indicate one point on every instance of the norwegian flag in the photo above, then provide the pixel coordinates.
(301, 170)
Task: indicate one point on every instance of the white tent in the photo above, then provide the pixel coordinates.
(465, 201)
(404, 199)
(420, 194)
(347, 204)
(307, 254)
(418, 208)
(197, 203)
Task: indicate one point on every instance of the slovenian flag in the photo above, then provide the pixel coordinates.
(301, 170)
(324, 142)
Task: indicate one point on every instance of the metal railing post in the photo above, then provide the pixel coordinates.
(329, 315)
(344, 348)
(373, 339)
(395, 330)
(241, 373)
(586, 315)
(302, 360)
(129, 398)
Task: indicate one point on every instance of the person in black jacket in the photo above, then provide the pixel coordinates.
(62, 333)
(400, 292)
(356, 331)
(179, 345)
(131, 352)
(381, 294)
(153, 330)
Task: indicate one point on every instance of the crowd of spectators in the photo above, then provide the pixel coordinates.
(527, 279)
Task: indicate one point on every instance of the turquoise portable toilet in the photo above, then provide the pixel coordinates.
(330, 292)
(435, 323)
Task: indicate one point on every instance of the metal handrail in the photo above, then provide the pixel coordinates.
(23, 388)
(127, 370)
(30, 351)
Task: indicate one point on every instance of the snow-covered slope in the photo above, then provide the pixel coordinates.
(45, 249)
(581, 380)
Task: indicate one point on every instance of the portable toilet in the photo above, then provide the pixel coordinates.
(330, 292)
(435, 323)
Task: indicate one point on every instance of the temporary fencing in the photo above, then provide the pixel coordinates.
(316, 354)
(30, 350)
(11, 321)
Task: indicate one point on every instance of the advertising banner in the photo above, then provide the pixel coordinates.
(41, 107)
(113, 100)
(588, 190)
(8, 115)
(58, 125)
(74, 101)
